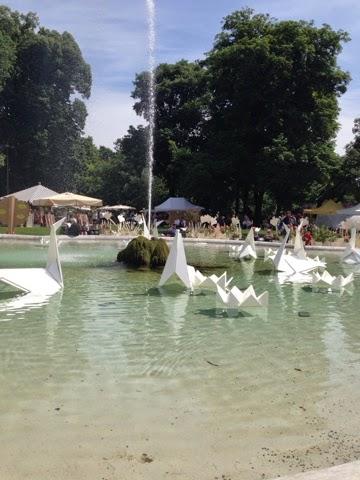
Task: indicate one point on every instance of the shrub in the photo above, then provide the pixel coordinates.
(141, 252)
(137, 253)
(159, 254)
(324, 234)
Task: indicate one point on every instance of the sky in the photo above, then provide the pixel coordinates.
(112, 35)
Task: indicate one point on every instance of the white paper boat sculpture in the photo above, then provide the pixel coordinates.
(211, 282)
(235, 298)
(42, 281)
(351, 256)
(247, 249)
(326, 280)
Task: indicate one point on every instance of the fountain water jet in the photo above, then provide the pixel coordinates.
(150, 4)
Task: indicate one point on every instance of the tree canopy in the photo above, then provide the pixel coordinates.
(42, 116)
(257, 117)
(251, 126)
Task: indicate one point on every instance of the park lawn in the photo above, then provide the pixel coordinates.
(28, 230)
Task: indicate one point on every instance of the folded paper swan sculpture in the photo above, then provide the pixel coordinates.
(45, 281)
(293, 263)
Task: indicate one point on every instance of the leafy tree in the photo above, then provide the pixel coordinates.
(346, 179)
(42, 116)
(274, 108)
(118, 176)
(181, 109)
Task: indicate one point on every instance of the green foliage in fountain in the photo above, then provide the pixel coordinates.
(141, 252)
(159, 254)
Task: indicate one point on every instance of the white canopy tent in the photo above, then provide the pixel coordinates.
(33, 193)
(68, 199)
(117, 207)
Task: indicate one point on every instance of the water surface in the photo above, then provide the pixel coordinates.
(112, 379)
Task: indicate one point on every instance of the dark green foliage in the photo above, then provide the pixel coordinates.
(141, 252)
(159, 254)
(255, 121)
(346, 180)
(137, 253)
(43, 75)
(118, 176)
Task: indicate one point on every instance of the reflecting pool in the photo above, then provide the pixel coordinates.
(112, 380)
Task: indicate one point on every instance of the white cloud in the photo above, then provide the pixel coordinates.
(110, 115)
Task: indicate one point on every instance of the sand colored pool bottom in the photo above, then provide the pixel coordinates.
(112, 381)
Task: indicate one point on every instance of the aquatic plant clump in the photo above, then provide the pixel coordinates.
(141, 252)
(159, 254)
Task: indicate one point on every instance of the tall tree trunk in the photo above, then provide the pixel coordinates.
(245, 199)
(237, 198)
(258, 200)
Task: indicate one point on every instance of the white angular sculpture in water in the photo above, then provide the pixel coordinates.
(146, 232)
(299, 250)
(351, 256)
(211, 282)
(286, 262)
(235, 298)
(176, 264)
(269, 254)
(196, 277)
(326, 280)
(247, 249)
(45, 281)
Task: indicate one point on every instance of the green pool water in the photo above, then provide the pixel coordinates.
(111, 379)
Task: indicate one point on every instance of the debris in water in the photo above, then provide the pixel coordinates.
(211, 363)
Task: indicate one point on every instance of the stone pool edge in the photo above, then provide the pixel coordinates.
(345, 471)
(196, 241)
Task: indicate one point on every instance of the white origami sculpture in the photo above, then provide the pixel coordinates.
(211, 282)
(269, 254)
(286, 262)
(351, 256)
(154, 231)
(235, 298)
(44, 281)
(247, 249)
(299, 250)
(146, 232)
(176, 264)
(326, 280)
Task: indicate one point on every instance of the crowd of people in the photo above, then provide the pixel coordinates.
(269, 230)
